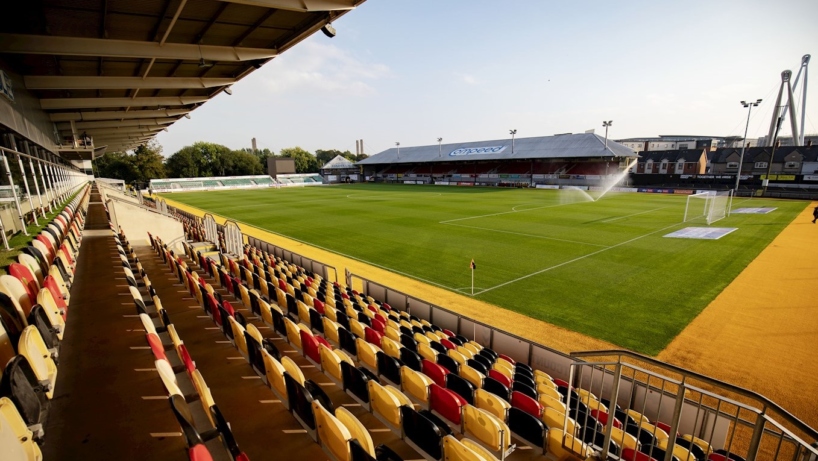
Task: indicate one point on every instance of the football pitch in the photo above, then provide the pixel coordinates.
(602, 268)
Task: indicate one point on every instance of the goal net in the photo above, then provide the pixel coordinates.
(710, 205)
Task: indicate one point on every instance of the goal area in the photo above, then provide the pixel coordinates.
(710, 205)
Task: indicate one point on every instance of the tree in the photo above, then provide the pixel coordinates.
(149, 162)
(324, 156)
(262, 155)
(117, 165)
(305, 162)
(203, 159)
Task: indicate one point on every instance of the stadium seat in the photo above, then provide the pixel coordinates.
(20, 385)
(527, 428)
(332, 434)
(471, 375)
(422, 434)
(355, 383)
(388, 368)
(434, 371)
(490, 431)
(390, 347)
(32, 347)
(447, 404)
(527, 404)
(411, 359)
(16, 439)
(416, 385)
(275, 377)
(385, 404)
(367, 354)
(491, 403)
(300, 404)
(558, 441)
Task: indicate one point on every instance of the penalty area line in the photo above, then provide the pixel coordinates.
(508, 212)
(574, 260)
(529, 235)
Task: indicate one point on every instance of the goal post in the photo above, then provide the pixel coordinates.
(710, 205)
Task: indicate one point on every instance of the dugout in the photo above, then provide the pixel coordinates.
(567, 159)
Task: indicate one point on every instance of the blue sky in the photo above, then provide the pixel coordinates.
(411, 71)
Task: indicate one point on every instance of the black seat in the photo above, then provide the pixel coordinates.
(524, 388)
(358, 453)
(694, 449)
(278, 322)
(254, 354)
(389, 367)
(319, 395)
(355, 381)
(444, 428)
(342, 319)
(347, 341)
(300, 402)
(483, 361)
(316, 321)
(384, 453)
(644, 436)
(422, 433)
(440, 348)
(657, 453)
(224, 429)
(39, 319)
(528, 381)
(185, 419)
(527, 426)
(489, 353)
(461, 387)
(20, 384)
(448, 363)
(411, 359)
(519, 366)
(477, 366)
(271, 348)
(406, 331)
(497, 388)
(597, 438)
(409, 342)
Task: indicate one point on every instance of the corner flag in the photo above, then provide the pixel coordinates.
(473, 266)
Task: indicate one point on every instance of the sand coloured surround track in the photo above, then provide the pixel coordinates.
(760, 333)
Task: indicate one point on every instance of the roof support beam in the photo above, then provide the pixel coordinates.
(303, 6)
(116, 115)
(99, 103)
(96, 47)
(55, 82)
(120, 123)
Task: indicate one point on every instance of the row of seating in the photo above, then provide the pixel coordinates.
(34, 304)
(177, 371)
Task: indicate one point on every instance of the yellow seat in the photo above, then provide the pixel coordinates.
(465, 351)
(331, 363)
(504, 367)
(16, 439)
(703, 444)
(245, 295)
(638, 417)
(391, 347)
(303, 312)
(486, 428)
(392, 333)
(415, 384)
(385, 405)
(367, 354)
(427, 352)
(293, 333)
(168, 377)
(238, 336)
(678, 451)
(421, 338)
(330, 331)
(333, 435)
(15, 289)
(623, 439)
(330, 312)
(52, 311)
(275, 376)
(471, 375)
(432, 336)
(578, 451)
(455, 450)
(554, 419)
(205, 397)
(356, 328)
(356, 430)
(473, 347)
(457, 356)
(292, 368)
(542, 378)
(281, 298)
(33, 348)
(657, 432)
(544, 389)
(492, 403)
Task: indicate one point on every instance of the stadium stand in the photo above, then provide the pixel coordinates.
(210, 183)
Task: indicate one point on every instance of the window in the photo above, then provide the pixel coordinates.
(761, 165)
(791, 165)
(683, 146)
(731, 165)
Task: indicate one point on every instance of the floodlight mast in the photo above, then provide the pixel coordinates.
(749, 106)
(606, 125)
(512, 133)
(440, 147)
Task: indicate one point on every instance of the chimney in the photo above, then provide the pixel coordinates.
(362, 147)
(357, 148)
(253, 142)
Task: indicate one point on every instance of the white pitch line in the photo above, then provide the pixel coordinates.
(574, 260)
(508, 212)
(530, 235)
(635, 214)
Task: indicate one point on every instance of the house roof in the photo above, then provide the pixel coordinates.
(810, 153)
(584, 145)
(338, 163)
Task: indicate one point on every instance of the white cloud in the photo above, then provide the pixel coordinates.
(466, 78)
(324, 68)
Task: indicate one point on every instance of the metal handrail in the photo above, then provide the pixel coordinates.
(787, 416)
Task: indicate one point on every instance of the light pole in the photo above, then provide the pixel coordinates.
(398, 144)
(512, 133)
(440, 147)
(606, 125)
(749, 106)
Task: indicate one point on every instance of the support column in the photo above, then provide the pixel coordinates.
(34, 177)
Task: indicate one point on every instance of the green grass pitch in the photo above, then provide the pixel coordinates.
(602, 268)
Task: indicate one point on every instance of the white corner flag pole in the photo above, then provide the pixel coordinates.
(471, 266)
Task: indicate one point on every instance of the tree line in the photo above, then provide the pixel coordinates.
(204, 159)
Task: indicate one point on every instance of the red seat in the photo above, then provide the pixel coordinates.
(372, 308)
(448, 344)
(282, 285)
(434, 371)
(323, 341)
(629, 454)
(527, 404)
(500, 377)
(318, 305)
(156, 347)
(448, 333)
(373, 337)
(664, 427)
(51, 284)
(506, 358)
(45, 241)
(446, 403)
(387, 307)
(560, 382)
(199, 453)
(378, 326)
(190, 365)
(29, 281)
(602, 417)
(717, 457)
(66, 253)
(309, 345)
(229, 308)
